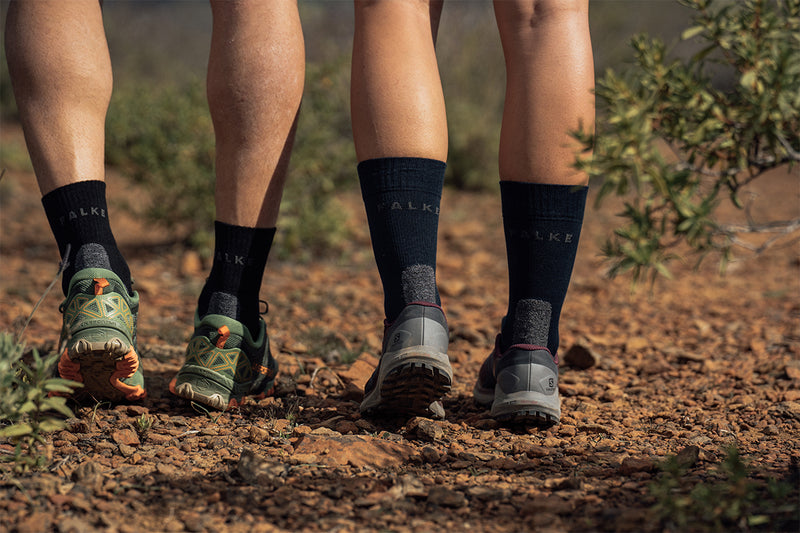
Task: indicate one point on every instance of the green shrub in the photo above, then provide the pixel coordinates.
(673, 134)
(27, 411)
(729, 498)
(323, 163)
(162, 138)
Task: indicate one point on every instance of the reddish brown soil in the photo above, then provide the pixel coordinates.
(694, 366)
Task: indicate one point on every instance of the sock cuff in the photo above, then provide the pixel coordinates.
(253, 244)
(401, 174)
(543, 200)
(85, 200)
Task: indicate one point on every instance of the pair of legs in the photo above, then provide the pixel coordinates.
(400, 132)
(62, 77)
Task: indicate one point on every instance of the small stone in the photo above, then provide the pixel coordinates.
(631, 465)
(445, 497)
(430, 454)
(791, 395)
(78, 426)
(486, 423)
(580, 357)
(611, 395)
(88, 473)
(126, 450)
(125, 436)
(636, 344)
(359, 372)
(408, 486)
(425, 429)
(257, 434)
(687, 457)
(254, 468)
(792, 371)
(173, 525)
(562, 483)
(530, 449)
(136, 410)
(166, 469)
(366, 425)
(346, 427)
(355, 450)
(595, 428)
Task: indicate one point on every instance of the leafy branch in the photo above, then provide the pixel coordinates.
(676, 136)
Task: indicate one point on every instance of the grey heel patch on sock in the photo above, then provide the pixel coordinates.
(223, 303)
(532, 322)
(419, 284)
(92, 255)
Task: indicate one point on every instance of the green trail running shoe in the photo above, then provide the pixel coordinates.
(98, 338)
(224, 364)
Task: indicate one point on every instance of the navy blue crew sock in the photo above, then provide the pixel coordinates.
(233, 286)
(78, 217)
(542, 225)
(401, 197)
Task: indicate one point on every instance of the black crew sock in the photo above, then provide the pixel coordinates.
(401, 197)
(232, 288)
(78, 217)
(542, 225)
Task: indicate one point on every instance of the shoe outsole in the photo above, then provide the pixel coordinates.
(101, 366)
(215, 400)
(528, 418)
(410, 389)
(187, 392)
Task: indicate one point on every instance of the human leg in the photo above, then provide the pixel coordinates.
(255, 83)
(549, 81)
(400, 133)
(61, 74)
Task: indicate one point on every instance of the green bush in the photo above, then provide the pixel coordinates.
(679, 140)
(729, 498)
(26, 408)
(163, 139)
(323, 163)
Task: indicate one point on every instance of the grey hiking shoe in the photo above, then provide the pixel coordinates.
(520, 385)
(414, 372)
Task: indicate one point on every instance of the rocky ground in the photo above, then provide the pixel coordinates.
(685, 371)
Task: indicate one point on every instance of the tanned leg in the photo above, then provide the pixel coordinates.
(549, 82)
(61, 74)
(255, 83)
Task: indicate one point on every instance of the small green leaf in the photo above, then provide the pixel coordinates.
(51, 424)
(17, 430)
(691, 32)
(749, 79)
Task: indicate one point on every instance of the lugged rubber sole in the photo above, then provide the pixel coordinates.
(199, 388)
(409, 382)
(101, 366)
(527, 407)
(187, 392)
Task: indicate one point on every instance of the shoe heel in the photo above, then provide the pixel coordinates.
(527, 393)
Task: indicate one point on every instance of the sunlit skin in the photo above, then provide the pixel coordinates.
(396, 99)
(61, 70)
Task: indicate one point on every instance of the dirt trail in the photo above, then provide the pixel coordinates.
(699, 364)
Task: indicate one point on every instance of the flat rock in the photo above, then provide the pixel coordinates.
(358, 451)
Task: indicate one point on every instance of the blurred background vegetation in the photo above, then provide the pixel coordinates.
(160, 135)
